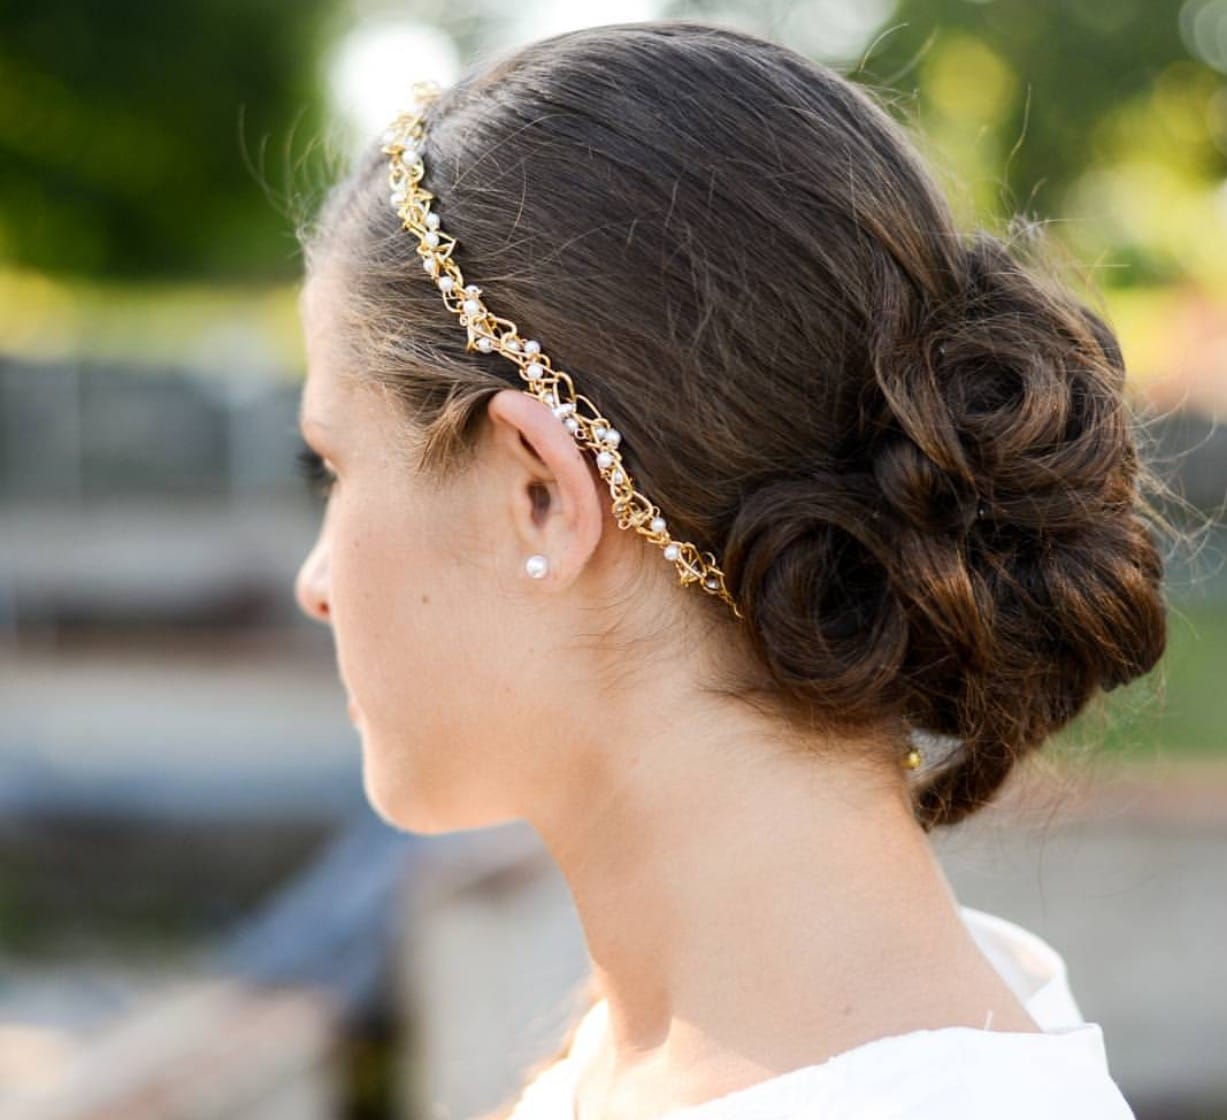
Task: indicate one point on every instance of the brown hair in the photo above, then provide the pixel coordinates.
(911, 452)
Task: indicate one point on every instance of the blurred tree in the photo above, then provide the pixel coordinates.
(1107, 116)
(128, 131)
(1095, 110)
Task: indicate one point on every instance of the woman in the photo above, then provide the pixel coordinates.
(866, 530)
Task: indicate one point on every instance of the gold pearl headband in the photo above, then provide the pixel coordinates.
(490, 334)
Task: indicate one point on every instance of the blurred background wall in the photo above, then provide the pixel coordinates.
(185, 854)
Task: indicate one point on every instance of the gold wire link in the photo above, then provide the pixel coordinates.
(489, 333)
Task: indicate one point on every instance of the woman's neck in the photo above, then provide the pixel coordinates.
(749, 910)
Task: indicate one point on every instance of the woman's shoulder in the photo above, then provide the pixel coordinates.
(952, 1073)
(956, 1073)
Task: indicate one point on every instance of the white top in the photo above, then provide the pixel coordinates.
(947, 1073)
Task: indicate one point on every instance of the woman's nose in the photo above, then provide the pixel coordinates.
(311, 586)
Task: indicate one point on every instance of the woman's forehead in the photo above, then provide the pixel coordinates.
(323, 382)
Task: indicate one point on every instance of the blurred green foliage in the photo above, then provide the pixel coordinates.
(146, 140)
(127, 129)
(1178, 710)
(1098, 118)
(1051, 74)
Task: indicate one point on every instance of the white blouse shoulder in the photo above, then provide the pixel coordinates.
(948, 1073)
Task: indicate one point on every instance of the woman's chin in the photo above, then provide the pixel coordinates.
(386, 805)
(396, 805)
(386, 789)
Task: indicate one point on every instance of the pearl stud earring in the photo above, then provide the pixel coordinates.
(537, 566)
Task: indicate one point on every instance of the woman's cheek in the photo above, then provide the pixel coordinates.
(374, 589)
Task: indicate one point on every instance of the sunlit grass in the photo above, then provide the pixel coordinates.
(1179, 709)
(201, 326)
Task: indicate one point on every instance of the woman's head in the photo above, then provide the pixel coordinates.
(911, 456)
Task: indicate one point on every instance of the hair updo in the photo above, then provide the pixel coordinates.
(912, 455)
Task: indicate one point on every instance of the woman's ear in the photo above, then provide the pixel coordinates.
(553, 491)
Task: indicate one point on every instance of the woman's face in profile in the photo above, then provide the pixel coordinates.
(425, 650)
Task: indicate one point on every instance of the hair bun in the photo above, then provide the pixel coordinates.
(920, 492)
(874, 587)
(813, 574)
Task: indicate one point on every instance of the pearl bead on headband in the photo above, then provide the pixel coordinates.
(490, 334)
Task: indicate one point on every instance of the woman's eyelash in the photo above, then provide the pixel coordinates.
(311, 465)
